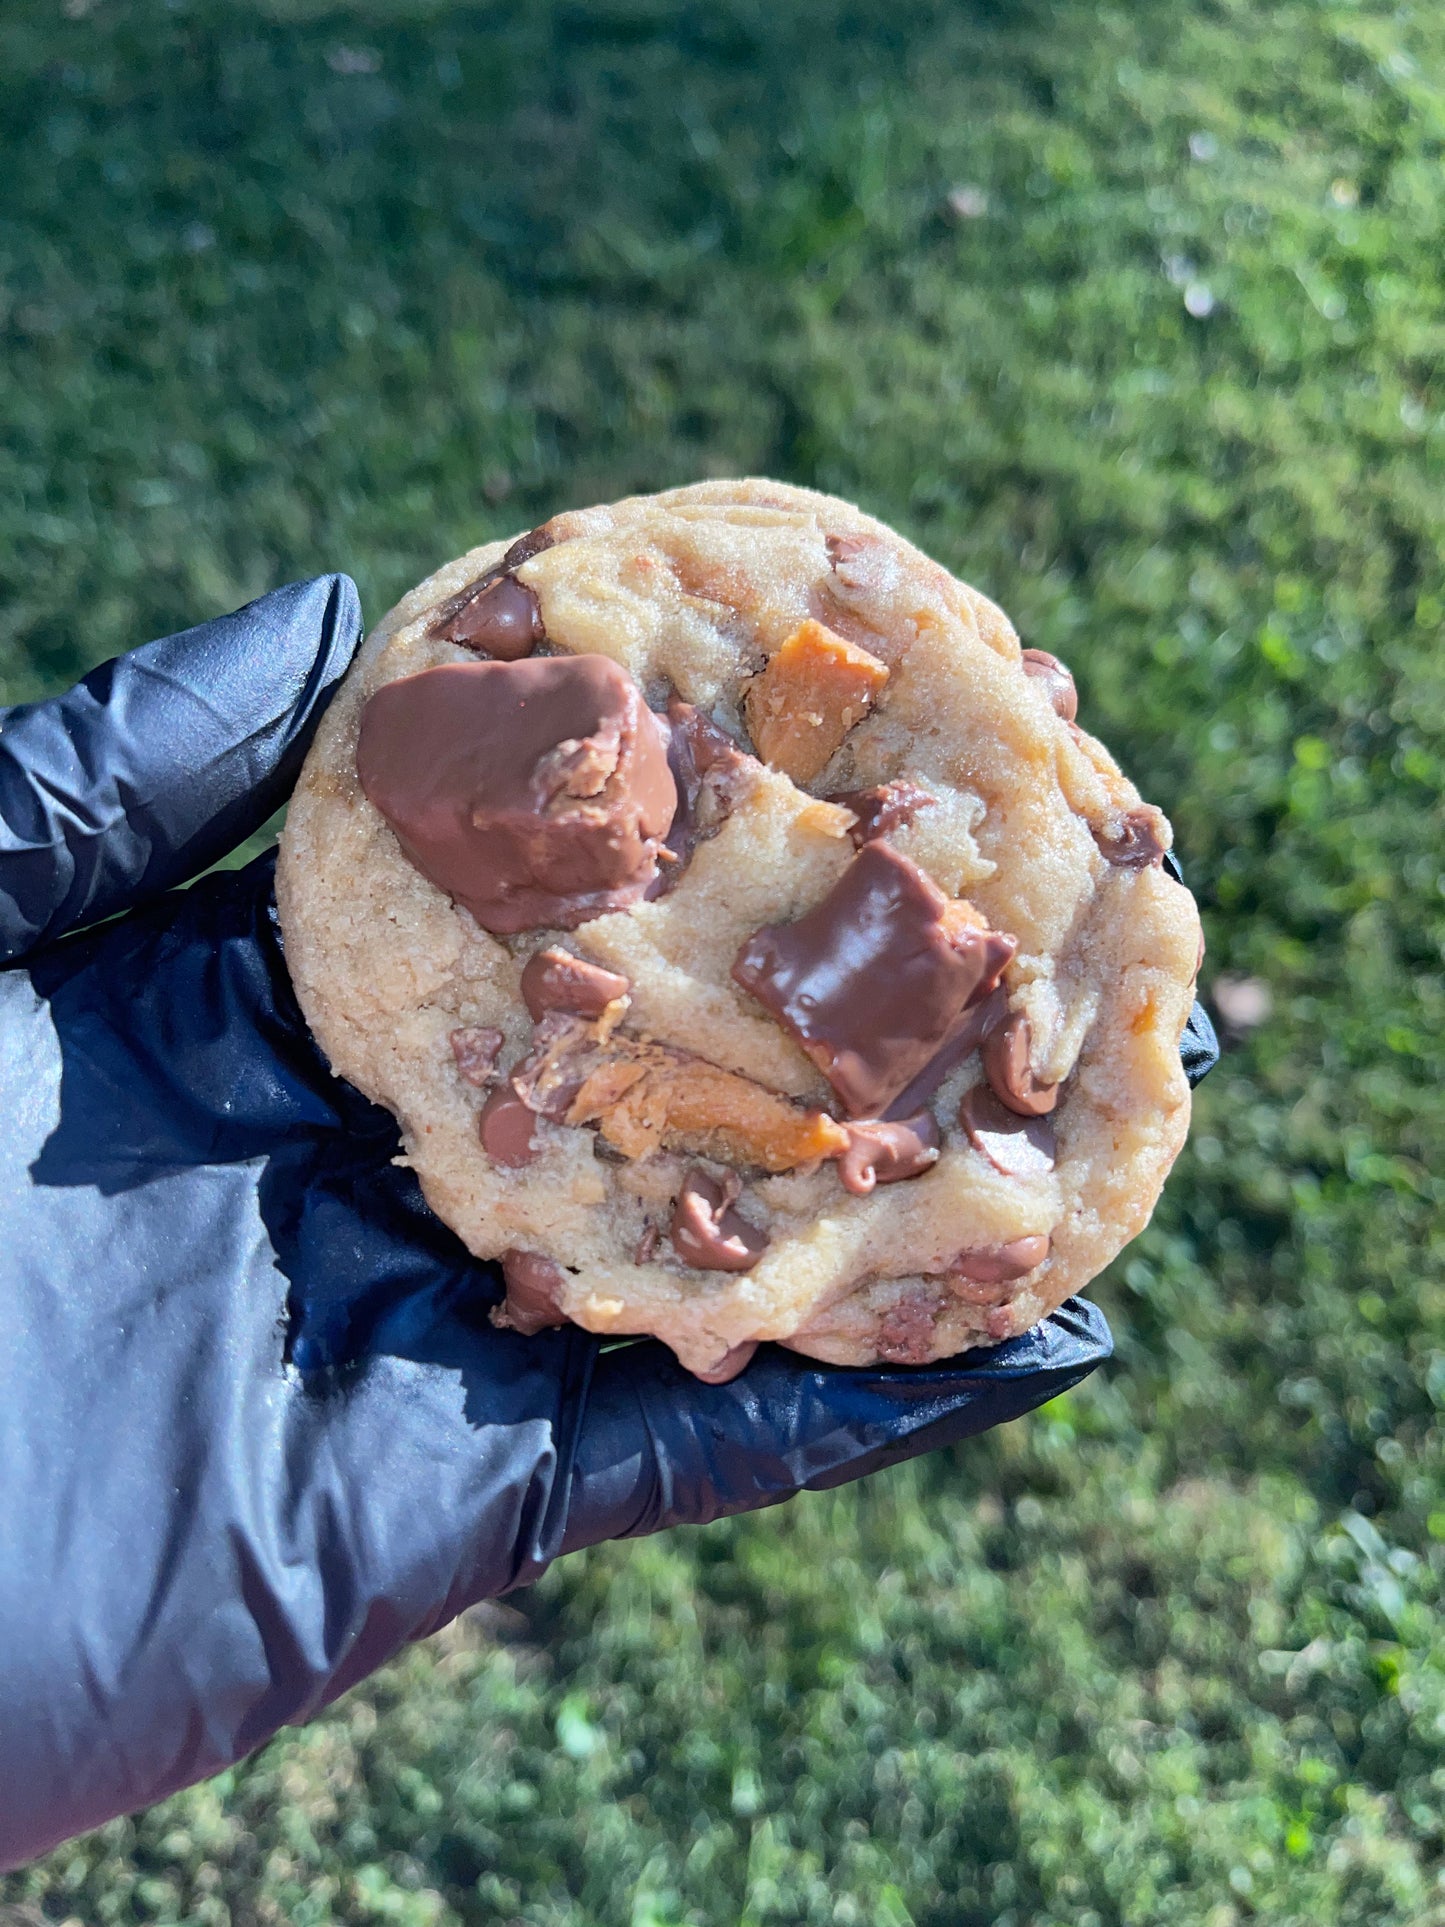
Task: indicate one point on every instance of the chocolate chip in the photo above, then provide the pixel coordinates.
(535, 1290)
(708, 744)
(906, 1331)
(729, 1365)
(463, 619)
(998, 1264)
(707, 1233)
(706, 766)
(1020, 1147)
(534, 542)
(1135, 841)
(556, 980)
(873, 980)
(1058, 683)
(1005, 1056)
(882, 1152)
(534, 793)
(506, 1126)
(501, 618)
(475, 1050)
(884, 808)
(846, 548)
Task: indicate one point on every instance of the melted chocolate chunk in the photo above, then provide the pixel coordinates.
(729, 1365)
(556, 980)
(992, 1265)
(1006, 1066)
(535, 1287)
(884, 808)
(1058, 683)
(881, 1152)
(707, 1233)
(969, 1031)
(534, 793)
(871, 982)
(506, 1127)
(1136, 841)
(1020, 1147)
(475, 1051)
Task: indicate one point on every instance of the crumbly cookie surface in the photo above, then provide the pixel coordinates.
(627, 1139)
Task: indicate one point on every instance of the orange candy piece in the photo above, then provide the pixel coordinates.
(811, 693)
(649, 1097)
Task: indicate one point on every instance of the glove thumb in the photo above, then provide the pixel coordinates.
(160, 762)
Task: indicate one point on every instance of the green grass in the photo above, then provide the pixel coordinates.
(294, 286)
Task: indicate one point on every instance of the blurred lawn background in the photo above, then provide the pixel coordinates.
(1133, 315)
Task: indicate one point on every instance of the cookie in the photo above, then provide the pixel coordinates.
(745, 934)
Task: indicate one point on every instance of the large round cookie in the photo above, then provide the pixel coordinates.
(979, 939)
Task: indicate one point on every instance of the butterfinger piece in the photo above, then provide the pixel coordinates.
(812, 692)
(684, 1104)
(644, 1096)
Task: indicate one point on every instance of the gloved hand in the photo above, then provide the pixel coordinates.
(256, 1431)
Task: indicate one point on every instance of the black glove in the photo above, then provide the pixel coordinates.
(256, 1431)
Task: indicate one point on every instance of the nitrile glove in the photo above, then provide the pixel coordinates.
(256, 1431)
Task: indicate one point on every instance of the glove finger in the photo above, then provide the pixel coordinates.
(659, 1449)
(161, 761)
(1198, 1047)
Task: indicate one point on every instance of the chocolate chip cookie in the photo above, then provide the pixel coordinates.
(746, 935)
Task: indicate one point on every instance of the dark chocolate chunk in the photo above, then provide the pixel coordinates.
(1005, 1057)
(883, 808)
(1058, 683)
(535, 1287)
(881, 1152)
(1136, 841)
(1020, 1147)
(535, 793)
(707, 1233)
(556, 980)
(729, 1365)
(997, 1265)
(506, 1127)
(475, 1051)
(872, 981)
